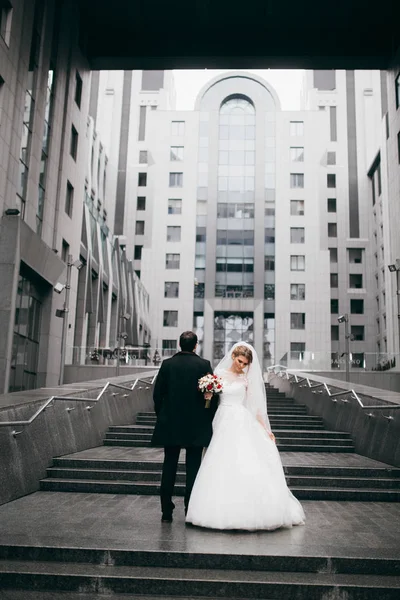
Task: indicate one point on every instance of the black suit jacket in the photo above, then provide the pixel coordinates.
(182, 419)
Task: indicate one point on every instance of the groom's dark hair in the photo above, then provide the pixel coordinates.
(188, 341)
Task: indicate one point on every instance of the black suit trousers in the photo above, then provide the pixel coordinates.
(171, 457)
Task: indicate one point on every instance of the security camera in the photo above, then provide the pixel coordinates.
(59, 287)
(342, 318)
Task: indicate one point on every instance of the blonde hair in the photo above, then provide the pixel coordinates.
(243, 351)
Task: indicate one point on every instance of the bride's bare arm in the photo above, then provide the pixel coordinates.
(261, 421)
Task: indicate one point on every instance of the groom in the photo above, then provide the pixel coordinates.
(182, 419)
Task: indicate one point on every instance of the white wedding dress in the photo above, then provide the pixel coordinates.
(241, 483)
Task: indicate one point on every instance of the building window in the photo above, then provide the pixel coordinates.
(269, 235)
(334, 306)
(269, 291)
(143, 157)
(171, 289)
(331, 205)
(297, 180)
(172, 261)
(233, 210)
(334, 280)
(64, 251)
(297, 153)
(78, 89)
(358, 333)
(138, 252)
(201, 234)
(357, 360)
(297, 208)
(142, 123)
(269, 263)
(297, 320)
(5, 20)
(139, 228)
(25, 347)
(297, 291)
(169, 347)
(297, 262)
(355, 280)
(74, 143)
(170, 318)
(296, 128)
(397, 90)
(174, 206)
(355, 255)
(398, 147)
(333, 255)
(332, 229)
(69, 199)
(297, 235)
(173, 234)
(142, 179)
(331, 180)
(175, 179)
(178, 128)
(176, 153)
(297, 350)
(233, 237)
(141, 203)
(334, 333)
(331, 158)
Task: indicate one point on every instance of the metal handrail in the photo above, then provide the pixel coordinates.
(352, 392)
(52, 399)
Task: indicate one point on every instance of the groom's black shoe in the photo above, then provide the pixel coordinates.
(166, 519)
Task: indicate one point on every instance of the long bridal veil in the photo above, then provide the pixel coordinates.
(256, 397)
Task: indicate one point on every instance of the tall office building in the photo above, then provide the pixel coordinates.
(239, 194)
(44, 99)
(259, 222)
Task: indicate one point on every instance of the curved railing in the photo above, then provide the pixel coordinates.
(351, 394)
(70, 399)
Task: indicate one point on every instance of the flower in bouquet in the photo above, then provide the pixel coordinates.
(211, 384)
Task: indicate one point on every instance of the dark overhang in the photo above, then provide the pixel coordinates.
(231, 34)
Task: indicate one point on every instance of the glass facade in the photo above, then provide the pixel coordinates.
(229, 329)
(25, 352)
(235, 208)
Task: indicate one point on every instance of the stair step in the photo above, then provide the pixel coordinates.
(154, 465)
(203, 560)
(125, 443)
(155, 476)
(153, 489)
(285, 436)
(195, 582)
(128, 430)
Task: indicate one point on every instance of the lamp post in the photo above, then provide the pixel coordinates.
(345, 319)
(63, 313)
(396, 269)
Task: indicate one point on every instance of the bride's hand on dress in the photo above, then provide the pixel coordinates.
(271, 435)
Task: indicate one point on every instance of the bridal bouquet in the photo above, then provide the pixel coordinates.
(210, 384)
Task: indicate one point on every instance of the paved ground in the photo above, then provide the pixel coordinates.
(133, 522)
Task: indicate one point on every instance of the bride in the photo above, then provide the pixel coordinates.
(241, 483)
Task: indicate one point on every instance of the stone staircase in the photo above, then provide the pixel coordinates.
(91, 573)
(108, 542)
(296, 432)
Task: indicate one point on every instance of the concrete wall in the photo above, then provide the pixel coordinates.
(57, 432)
(77, 373)
(375, 437)
(376, 379)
